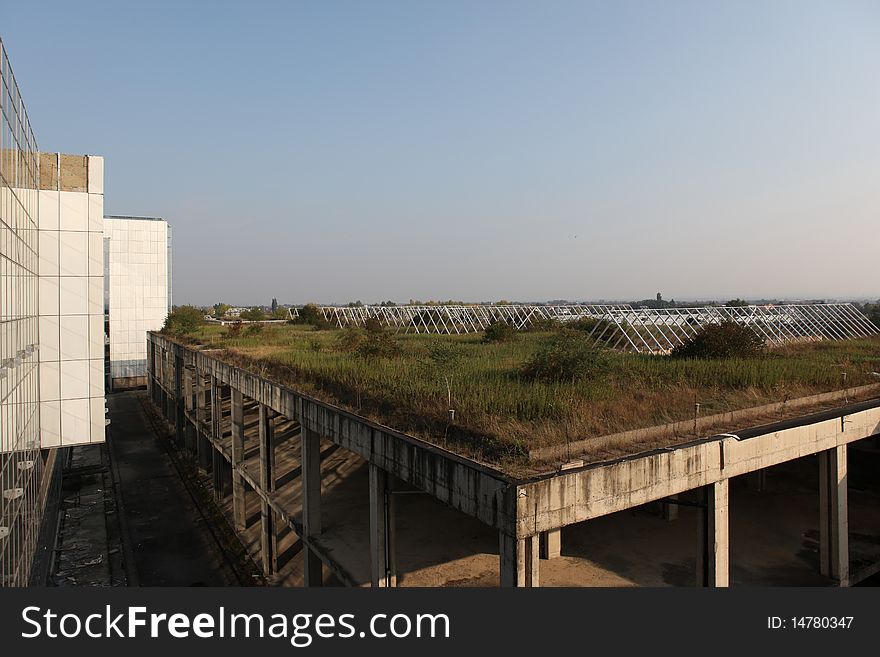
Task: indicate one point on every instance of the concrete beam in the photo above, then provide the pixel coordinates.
(833, 515)
(568, 497)
(383, 566)
(713, 536)
(519, 561)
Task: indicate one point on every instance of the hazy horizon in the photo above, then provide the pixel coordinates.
(343, 150)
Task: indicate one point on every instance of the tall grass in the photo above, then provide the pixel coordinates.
(500, 413)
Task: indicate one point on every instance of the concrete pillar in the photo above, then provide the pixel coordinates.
(239, 509)
(178, 401)
(551, 544)
(151, 369)
(833, 515)
(670, 508)
(268, 532)
(520, 562)
(383, 562)
(757, 480)
(311, 493)
(713, 540)
(217, 473)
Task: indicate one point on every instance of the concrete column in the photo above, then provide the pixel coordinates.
(670, 508)
(268, 533)
(239, 509)
(520, 563)
(311, 494)
(551, 544)
(151, 369)
(178, 402)
(383, 562)
(757, 480)
(833, 515)
(217, 472)
(713, 540)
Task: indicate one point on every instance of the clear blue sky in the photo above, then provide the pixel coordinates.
(340, 150)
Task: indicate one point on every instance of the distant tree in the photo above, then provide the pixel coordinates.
(183, 320)
(274, 305)
(253, 315)
(388, 304)
(355, 304)
(220, 309)
(279, 313)
(872, 311)
(737, 303)
(659, 297)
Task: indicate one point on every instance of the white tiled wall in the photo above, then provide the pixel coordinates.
(72, 313)
(138, 280)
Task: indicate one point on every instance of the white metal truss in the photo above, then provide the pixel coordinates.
(660, 331)
(456, 320)
(642, 330)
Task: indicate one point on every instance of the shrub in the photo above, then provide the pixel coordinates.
(443, 354)
(350, 339)
(543, 325)
(310, 314)
(569, 356)
(183, 320)
(723, 340)
(234, 329)
(253, 315)
(379, 345)
(253, 329)
(499, 331)
(373, 325)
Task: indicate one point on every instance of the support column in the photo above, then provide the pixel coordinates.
(151, 368)
(239, 509)
(383, 562)
(311, 493)
(203, 445)
(178, 402)
(833, 515)
(551, 544)
(670, 508)
(757, 480)
(217, 472)
(189, 405)
(520, 563)
(713, 544)
(268, 534)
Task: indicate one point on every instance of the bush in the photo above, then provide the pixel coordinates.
(724, 340)
(499, 331)
(543, 325)
(253, 315)
(253, 329)
(350, 339)
(569, 356)
(379, 345)
(183, 320)
(311, 314)
(373, 325)
(234, 329)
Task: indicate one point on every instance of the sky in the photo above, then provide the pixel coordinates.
(336, 150)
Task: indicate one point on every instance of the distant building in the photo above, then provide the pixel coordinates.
(137, 276)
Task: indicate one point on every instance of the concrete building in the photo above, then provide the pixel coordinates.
(71, 296)
(137, 280)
